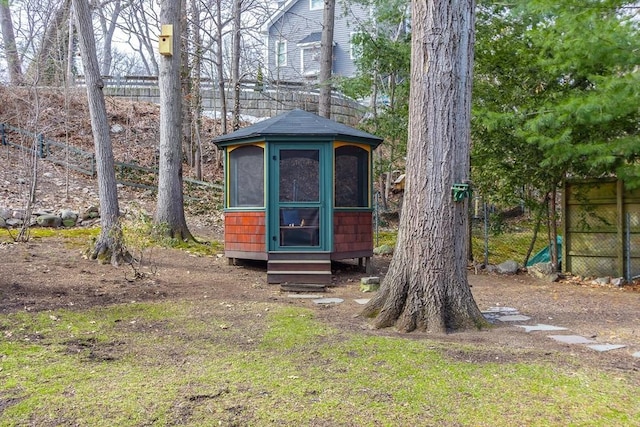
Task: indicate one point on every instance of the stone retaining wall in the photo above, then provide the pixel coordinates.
(258, 103)
(16, 218)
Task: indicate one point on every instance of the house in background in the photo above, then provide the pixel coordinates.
(292, 39)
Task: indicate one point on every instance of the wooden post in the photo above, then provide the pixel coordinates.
(565, 228)
(41, 151)
(620, 261)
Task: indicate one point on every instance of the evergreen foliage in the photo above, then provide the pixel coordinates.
(556, 91)
(557, 94)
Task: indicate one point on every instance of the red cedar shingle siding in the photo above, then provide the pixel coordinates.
(353, 231)
(244, 231)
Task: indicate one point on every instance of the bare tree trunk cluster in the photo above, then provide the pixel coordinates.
(9, 39)
(49, 68)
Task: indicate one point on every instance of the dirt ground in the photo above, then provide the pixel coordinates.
(49, 274)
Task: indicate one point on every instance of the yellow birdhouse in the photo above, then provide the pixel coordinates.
(166, 40)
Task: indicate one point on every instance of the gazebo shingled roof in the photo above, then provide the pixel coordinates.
(301, 124)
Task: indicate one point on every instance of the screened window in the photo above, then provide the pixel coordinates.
(281, 53)
(299, 175)
(352, 177)
(246, 177)
(355, 46)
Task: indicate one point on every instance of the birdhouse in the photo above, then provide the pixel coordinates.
(166, 40)
(298, 194)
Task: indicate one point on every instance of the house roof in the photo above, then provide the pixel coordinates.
(278, 13)
(301, 124)
(312, 38)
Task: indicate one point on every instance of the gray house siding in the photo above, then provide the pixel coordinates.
(298, 28)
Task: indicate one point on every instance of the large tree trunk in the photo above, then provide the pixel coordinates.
(235, 67)
(326, 59)
(426, 287)
(10, 50)
(48, 67)
(196, 96)
(170, 206)
(109, 244)
(186, 84)
(220, 68)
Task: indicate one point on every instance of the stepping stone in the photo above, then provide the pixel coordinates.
(501, 310)
(571, 339)
(636, 354)
(514, 318)
(328, 300)
(304, 296)
(362, 301)
(541, 327)
(606, 347)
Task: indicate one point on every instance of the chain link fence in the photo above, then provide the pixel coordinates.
(499, 235)
(600, 236)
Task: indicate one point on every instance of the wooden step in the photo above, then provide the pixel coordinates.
(289, 256)
(299, 267)
(303, 287)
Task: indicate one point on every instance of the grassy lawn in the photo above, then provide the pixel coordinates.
(200, 364)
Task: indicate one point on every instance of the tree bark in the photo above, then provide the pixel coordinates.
(109, 245)
(426, 287)
(186, 83)
(326, 59)
(235, 69)
(220, 69)
(170, 206)
(48, 67)
(553, 230)
(196, 96)
(10, 50)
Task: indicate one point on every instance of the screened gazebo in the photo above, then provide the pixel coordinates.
(298, 194)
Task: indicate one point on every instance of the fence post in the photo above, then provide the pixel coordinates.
(486, 234)
(627, 275)
(41, 153)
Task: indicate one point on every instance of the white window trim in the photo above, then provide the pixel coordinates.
(282, 63)
(316, 7)
(265, 53)
(352, 47)
(307, 47)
